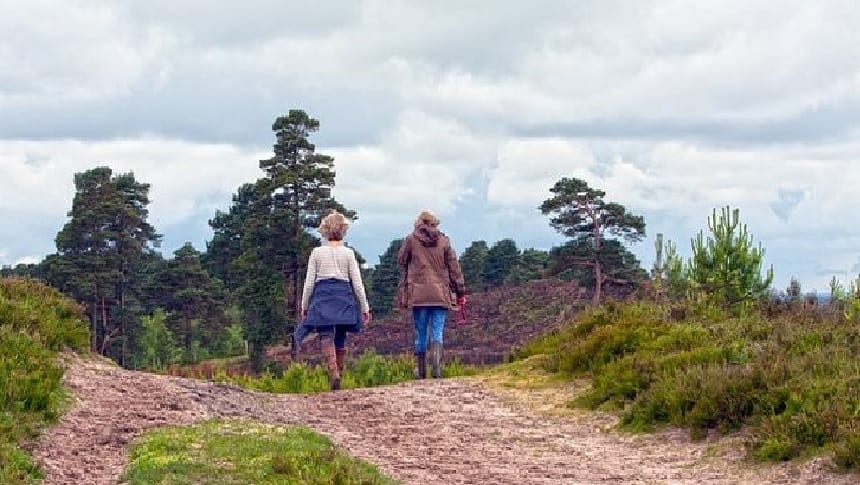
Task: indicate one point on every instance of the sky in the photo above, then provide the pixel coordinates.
(473, 109)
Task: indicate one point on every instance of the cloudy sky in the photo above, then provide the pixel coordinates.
(471, 108)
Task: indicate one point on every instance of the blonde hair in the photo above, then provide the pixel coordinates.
(427, 217)
(334, 226)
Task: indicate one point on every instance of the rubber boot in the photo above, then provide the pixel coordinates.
(420, 365)
(341, 360)
(330, 358)
(436, 359)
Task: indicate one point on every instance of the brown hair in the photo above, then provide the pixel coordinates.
(334, 226)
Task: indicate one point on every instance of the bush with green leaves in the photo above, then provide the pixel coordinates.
(368, 370)
(35, 323)
(791, 377)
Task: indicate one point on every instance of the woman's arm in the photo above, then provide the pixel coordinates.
(454, 271)
(310, 279)
(357, 283)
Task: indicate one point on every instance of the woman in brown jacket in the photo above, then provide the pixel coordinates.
(431, 285)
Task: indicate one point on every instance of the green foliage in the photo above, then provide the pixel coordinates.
(383, 283)
(669, 272)
(726, 267)
(233, 342)
(501, 259)
(261, 244)
(580, 213)
(100, 251)
(533, 265)
(194, 302)
(368, 370)
(791, 377)
(35, 323)
(472, 263)
(157, 344)
(846, 300)
(617, 262)
(244, 452)
(574, 215)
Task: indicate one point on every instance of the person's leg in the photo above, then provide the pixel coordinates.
(436, 322)
(330, 357)
(340, 348)
(419, 320)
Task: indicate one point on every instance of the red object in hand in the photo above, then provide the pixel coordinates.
(461, 310)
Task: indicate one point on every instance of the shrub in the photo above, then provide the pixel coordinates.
(368, 370)
(791, 376)
(35, 323)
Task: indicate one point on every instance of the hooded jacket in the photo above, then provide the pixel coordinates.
(429, 269)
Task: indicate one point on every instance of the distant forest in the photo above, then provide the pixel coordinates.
(242, 293)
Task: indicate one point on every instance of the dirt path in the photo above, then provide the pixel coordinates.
(450, 431)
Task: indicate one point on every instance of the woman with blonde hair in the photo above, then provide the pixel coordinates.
(333, 300)
(431, 285)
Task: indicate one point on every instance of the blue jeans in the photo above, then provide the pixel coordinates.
(424, 316)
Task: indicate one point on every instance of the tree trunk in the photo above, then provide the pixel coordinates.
(105, 326)
(94, 319)
(297, 307)
(187, 335)
(598, 281)
(122, 326)
(598, 270)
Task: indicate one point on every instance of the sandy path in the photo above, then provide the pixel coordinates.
(447, 431)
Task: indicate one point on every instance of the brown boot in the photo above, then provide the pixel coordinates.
(436, 359)
(330, 358)
(341, 360)
(420, 365)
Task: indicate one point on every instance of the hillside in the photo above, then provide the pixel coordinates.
(498, 320)
(36, 322)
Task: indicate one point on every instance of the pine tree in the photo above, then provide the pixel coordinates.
(383, 284)
(501, 259)
(100, 251)
(580, 213)
(195, 301)
(472, 262)
(533, 265)
(726, 267)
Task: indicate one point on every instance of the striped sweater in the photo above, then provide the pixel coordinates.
(334, 262)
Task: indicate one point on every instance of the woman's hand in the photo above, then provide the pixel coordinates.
(366, 317)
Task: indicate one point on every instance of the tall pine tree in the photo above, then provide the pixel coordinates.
(100, 251)
(580, 213)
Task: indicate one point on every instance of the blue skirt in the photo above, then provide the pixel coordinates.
(332, 306)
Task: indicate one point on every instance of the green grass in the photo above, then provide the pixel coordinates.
(368, 370)
(792, 377)
(241, 452)
(35, 323)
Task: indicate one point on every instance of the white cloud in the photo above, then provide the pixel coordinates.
(54, 52)
(188, 181)
(426, 163)
(672, 107)
(683, 182)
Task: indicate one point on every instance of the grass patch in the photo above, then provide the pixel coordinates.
(792, 377)
(528, 383)
(220, 452)
(368, 370)
(35, 323)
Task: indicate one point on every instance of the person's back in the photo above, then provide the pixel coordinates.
(431, 284)
(333, 301)
(334, 262)
(432, 269)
